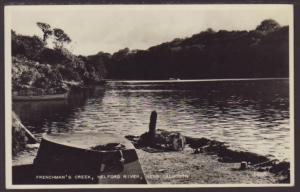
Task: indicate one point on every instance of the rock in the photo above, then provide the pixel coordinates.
(244, 165)
(280, 167)
(163, 140)
(197, 143)
(161, 170)
(177, 141)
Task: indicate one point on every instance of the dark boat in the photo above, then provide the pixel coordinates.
(82, 158)
(40, 97)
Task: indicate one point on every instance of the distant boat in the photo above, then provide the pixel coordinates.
(174, 79)
(40, 97)
(82, 158)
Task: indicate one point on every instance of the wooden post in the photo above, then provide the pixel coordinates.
(152, 125)
(244, 165)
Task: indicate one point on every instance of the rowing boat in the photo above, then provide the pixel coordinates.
(39, 97)
(82, 158)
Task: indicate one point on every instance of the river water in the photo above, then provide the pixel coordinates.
(250, 115)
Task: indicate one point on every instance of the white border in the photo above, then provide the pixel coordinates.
(8, 99)
(8, 106)
(291, 92)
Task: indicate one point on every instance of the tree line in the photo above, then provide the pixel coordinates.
(262, 52)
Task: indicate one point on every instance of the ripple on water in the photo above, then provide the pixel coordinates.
(254, 117)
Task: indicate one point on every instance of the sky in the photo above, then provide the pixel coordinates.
(109, 28)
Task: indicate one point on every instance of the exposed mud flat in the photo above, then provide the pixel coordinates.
(185, 167)
(182, 167)
(211, 159)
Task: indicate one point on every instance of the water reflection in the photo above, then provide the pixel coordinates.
(54, 115)
(252, 115)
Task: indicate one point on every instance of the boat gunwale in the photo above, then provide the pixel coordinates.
(87, 149)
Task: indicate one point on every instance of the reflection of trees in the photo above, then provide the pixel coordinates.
(40, 116)
(35, 114)
(222, 97)
(263, 99)
(259, 99)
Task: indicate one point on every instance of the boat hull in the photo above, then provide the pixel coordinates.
(59, 163)
(40, 97)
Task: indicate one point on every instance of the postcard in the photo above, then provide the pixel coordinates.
(118, 96)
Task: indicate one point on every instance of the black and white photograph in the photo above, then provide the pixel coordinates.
(149, 96)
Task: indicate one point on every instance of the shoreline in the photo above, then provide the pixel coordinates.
(182, 167)
(219, 152)
(196, 80)
(53, 96)
(187, 168)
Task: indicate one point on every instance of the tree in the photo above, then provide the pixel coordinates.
(46, 28)
(28, 46)
(268, 25)
(60, 38)
(210, 30)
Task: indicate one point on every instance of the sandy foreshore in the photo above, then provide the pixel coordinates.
(181, 167)
(185, 167)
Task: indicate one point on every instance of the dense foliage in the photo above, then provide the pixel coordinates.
(33, 78)
(39, 69)
(262, 52)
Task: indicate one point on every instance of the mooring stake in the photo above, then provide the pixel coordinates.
(152, 125)
(244, 165)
